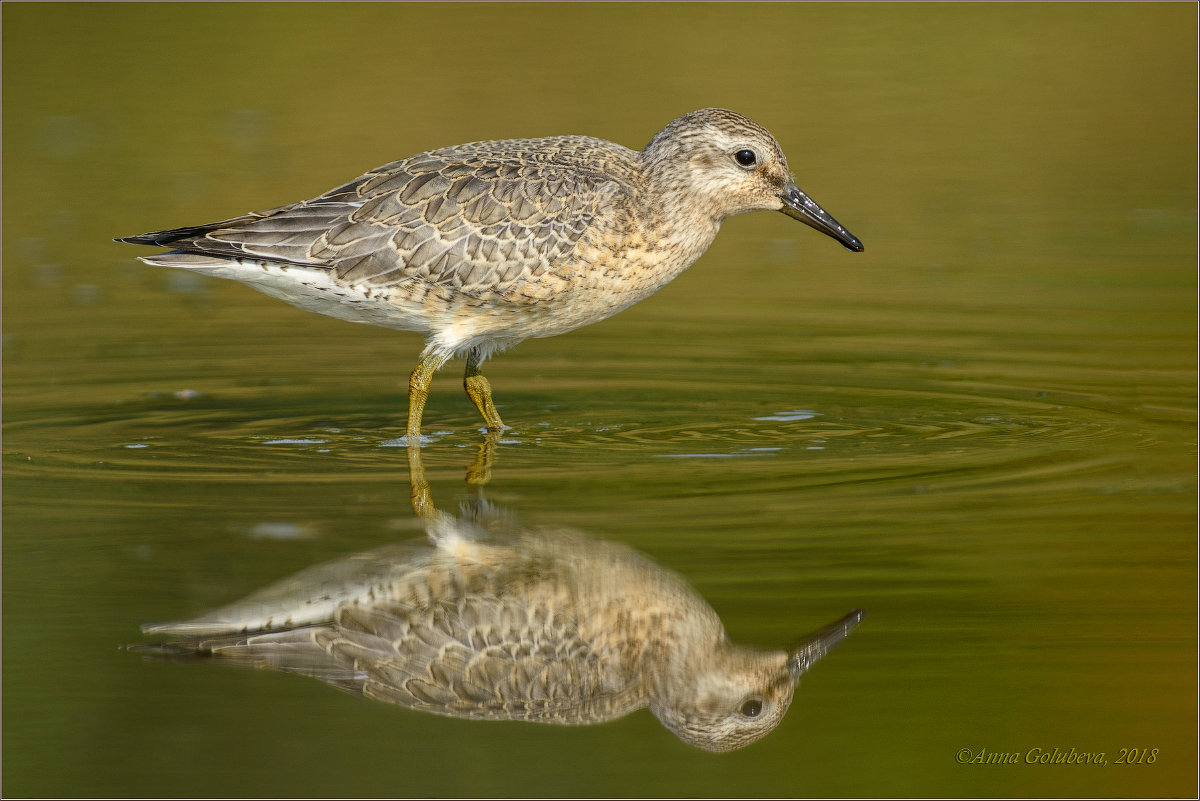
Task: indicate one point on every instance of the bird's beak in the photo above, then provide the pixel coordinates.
(821, 641)
(800, 206)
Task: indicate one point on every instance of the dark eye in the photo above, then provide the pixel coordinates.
(751, 708)
(747, 158)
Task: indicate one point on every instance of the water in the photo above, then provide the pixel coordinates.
(981, 430)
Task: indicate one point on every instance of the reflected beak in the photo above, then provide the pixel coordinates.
(800, 206)
(821, 641)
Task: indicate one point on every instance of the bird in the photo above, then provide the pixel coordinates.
(535, 624)
(483, 245)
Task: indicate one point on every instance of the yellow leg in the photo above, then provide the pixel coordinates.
(418, 393)
(480, 392)
(479, 472)
(418, 485)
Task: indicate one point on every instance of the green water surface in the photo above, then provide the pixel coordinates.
(981, 429)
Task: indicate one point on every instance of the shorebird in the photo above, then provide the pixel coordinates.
(483, 245)
(538, 625)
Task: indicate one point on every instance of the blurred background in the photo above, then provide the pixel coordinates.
(981, 429)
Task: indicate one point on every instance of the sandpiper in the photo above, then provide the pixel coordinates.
(539, 625)
(483, 245)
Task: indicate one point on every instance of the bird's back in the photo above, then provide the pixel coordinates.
(475, 217)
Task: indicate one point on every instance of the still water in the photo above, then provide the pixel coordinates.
(981, 430)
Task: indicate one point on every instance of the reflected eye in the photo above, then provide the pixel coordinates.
(751, 708)
(746, 158)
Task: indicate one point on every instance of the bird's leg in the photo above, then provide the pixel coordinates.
(418, 486)
(479, 472)
(418, 393)
(480, 392)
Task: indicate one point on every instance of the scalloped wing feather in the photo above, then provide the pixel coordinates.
(461, 217)
(481, 658)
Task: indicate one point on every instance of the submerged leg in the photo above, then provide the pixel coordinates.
(418, 393)
(480, 392)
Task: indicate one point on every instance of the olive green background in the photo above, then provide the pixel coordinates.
(981, 430)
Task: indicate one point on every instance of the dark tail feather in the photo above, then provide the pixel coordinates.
(164, 238)
(172, 235)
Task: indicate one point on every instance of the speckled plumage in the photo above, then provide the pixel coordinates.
(546, 626)
(480, 246)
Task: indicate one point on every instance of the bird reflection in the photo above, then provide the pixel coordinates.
(488, 620)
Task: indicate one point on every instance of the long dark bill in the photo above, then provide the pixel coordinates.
(820, 642)
(800, 206)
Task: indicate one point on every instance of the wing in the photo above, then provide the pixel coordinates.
(471, 217)
(482, 658)
(478, 658)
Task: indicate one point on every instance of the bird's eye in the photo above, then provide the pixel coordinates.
(751, 708)
(746, 158)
